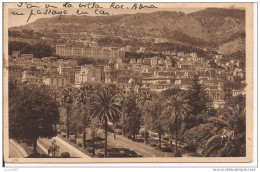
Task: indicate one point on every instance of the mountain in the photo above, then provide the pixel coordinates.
(209, 28)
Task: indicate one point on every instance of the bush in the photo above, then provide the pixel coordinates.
(154, 145)
(100, 155)
(63, 135)
(198, 136)
(113, 150)
(177, 154)
(167, 149)
(191, 148)
(140, 140)
(80, 144)
(29, 142)
(45, 156)
(99, 139)
(38, 155)
(116, 154)
(65, 155)
(99, 146)
(166, 139)
(89, 150)
(89, 142)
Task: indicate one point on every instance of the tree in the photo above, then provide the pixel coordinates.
(77, 119)
(84, 97)
(155, 109)
(229, 139)
(198, 136)
(66, 99)
(40, 49)
(177, 106)
(200, 104)
(143, 104)
(131, 114)
(93, 129)
(32, 114)
(105, 107)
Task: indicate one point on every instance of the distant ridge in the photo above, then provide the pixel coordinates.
(211, 27)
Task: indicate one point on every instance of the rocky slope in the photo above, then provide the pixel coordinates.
(212, 27)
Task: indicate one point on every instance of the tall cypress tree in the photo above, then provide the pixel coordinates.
(198, 101)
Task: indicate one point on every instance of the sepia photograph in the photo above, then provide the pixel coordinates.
(128, 82)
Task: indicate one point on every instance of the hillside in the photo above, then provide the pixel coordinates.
(209, 28)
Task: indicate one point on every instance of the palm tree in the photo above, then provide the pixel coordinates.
(177, 106)
(66, 99)
(143, 104)
(84, 96)
(154, 108)
(229, 137)
(105, 107)
(131, 114)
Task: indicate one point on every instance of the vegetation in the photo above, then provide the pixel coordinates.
(211, 132)
(177, 107)
(33, 113)
(65, 100)
(40, 49)
(229, 138)
(155, 109)
(131, 114)
(105, 108)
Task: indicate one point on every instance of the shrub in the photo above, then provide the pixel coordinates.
(99, 139)
(177, 154)
(113, 150)
(65, 155)
(37, 155)
(63, 135)
(154, 145)
(89, 150)
(99, 145)
(116, 154)
(89, 142)
(140, 140)
(45, 156)
(190, 147)
(100, 155)
(198, 135)
(167, 149)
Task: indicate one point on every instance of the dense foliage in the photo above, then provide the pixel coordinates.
(187, 117)
(39, 49)
(33, 112)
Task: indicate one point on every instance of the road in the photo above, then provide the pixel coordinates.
(139, 148)
(15, 150)
(45, 143)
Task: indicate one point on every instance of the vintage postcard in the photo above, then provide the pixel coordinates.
(128, 82)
